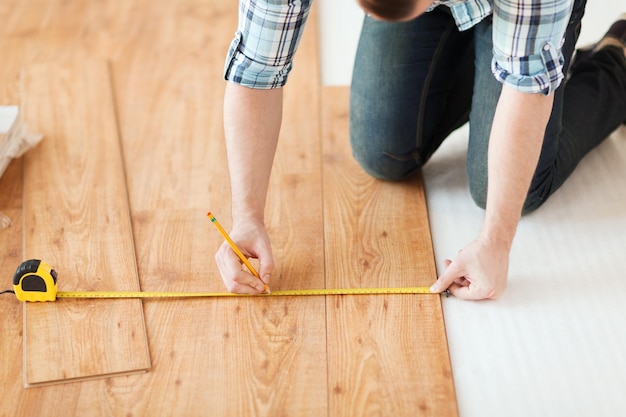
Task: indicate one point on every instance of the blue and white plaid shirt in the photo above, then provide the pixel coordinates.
(527, 40)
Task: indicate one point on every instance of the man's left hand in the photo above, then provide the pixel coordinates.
(478, 272)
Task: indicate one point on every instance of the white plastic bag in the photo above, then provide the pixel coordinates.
(15, 139)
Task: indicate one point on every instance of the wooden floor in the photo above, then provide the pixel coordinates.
(331, 226)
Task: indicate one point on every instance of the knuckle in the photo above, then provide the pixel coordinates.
(239, 279)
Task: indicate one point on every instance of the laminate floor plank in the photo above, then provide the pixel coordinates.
(22, 46)
(11, 325)
(11, 311)
(242, 356)
(76, 218)
(387, 355)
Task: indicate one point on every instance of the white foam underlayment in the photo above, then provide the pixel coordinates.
(555, 343)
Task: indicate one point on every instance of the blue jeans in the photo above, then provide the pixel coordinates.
(415, 82)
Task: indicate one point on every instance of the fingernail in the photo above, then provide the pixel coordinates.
(266, 278)
(434, 288)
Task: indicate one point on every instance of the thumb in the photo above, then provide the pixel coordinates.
(266, 264)
(446, 279)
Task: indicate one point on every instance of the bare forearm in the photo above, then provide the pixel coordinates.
(514, 147)
(252, 121)
(480, 270)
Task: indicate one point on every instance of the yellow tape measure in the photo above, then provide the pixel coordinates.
(35, 280)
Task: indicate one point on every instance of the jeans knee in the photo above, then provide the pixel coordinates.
(529, 207)
(380, 165)
(534, 200)
(479, 195)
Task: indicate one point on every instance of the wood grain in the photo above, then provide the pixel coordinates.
(241, 356)
(294, 214)
(10, 308)
(387, 355)
(76, 218)
(237, 356)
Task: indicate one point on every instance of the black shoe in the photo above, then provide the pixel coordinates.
(616, 31)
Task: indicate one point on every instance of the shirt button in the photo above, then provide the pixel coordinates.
(546, 47)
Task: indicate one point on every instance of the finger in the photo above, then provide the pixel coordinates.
(228, 262)
(266, 263)
(469, 292)
(461, 282)
(451, 273)
(235, 278)
(453, 288)
(465, 292)
(243, 289)
(246, 283)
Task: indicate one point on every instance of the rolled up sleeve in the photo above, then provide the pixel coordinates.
(269, 31)
(527, 40)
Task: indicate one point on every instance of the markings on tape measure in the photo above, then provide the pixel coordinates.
(36, 281)
(324, 291)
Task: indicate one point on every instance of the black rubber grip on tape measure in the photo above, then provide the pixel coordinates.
(29, 277)
(28, 267)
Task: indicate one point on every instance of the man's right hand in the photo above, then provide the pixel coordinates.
(253, 241)
(251, 126)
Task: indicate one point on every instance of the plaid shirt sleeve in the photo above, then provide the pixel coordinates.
(266, 40)
(527, 40)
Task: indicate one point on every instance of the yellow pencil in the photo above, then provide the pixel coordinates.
(235, 248)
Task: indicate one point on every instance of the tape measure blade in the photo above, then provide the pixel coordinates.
(309, 292)
(354, 291)
(139, 294)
